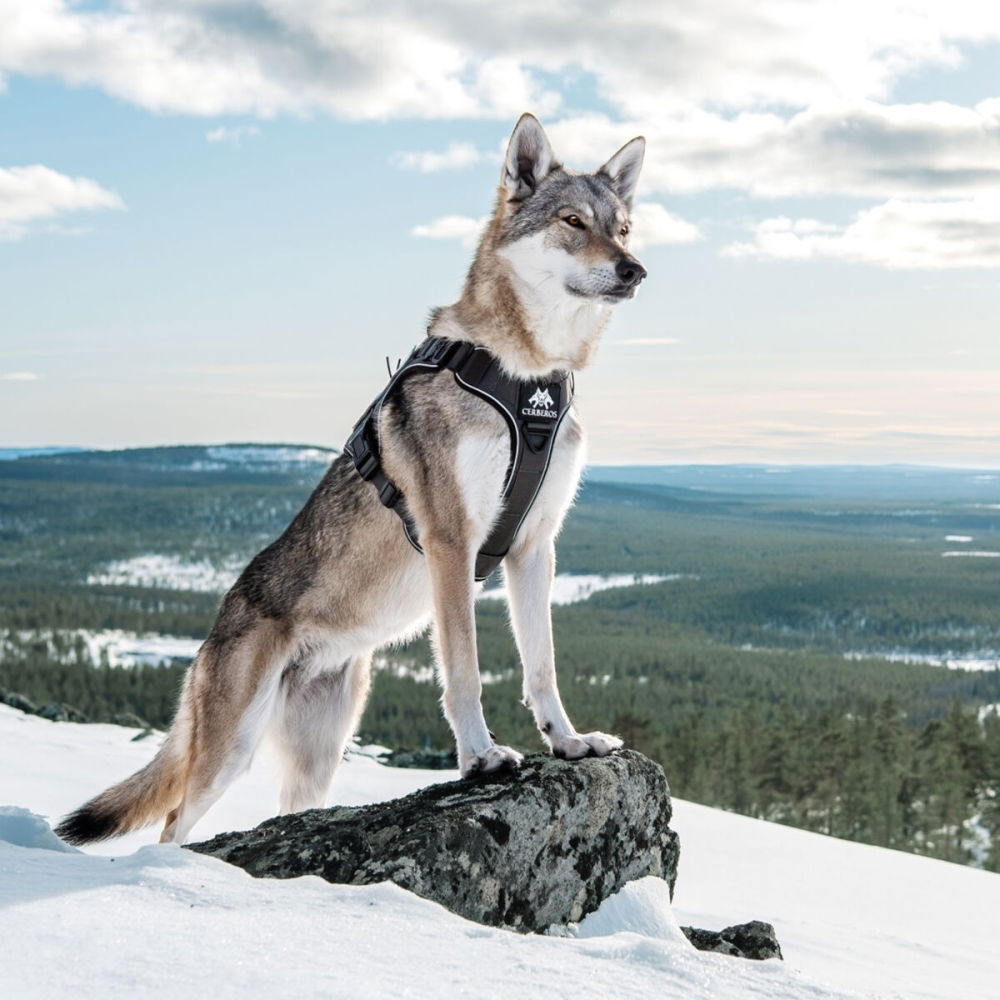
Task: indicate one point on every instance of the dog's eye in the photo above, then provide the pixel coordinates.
(575, 221)
(624, 232)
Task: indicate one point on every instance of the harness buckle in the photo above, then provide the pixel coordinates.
(367, 464)
(388, 495)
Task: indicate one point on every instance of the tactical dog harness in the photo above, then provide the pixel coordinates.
(533, 410)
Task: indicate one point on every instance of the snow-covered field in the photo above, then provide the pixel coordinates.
(174, 573)
(988, 660)
(115, 647)
(170, 572)
(569, 588)
(130, 920)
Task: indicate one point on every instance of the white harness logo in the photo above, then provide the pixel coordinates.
(541, 399)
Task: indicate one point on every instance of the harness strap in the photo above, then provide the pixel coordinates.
(533, 410)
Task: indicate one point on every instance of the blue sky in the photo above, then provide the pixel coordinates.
(216, 219)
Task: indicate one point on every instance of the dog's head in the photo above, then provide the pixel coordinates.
(566, 233)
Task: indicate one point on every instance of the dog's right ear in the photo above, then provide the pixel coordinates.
(529, 159)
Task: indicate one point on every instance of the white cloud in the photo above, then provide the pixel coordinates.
(456, 156)
(18, 377)
(452, 227)
(897, 234)
(653, 225)
(351, 59)
(234, 134)
(856, 148)
(32, 193)
(449, 58)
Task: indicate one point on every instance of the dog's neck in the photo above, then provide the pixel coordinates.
(530, 328)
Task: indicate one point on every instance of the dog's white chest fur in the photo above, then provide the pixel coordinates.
(481, 461)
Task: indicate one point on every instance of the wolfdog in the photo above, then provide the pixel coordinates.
(290, 652)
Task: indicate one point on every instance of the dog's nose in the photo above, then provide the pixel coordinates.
(630, 272)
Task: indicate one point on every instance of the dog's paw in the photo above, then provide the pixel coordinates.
(576, 745)
(496, 758)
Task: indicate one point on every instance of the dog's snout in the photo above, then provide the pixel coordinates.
(630, 272)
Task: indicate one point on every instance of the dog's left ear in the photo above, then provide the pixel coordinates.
(529, 159)
(622, 170)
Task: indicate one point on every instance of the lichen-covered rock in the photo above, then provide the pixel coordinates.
(428, 760)
(753, 940)
(543, 846)
(58, 712)
(19, 702)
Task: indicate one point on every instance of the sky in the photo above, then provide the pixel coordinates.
(218, 218)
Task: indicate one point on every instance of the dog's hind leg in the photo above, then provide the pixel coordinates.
(316, 717)
(234, 694)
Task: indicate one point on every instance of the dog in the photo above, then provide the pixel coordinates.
(291, 650)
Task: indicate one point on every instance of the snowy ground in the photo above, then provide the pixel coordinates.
(568, 588)
(172, 572)
(983, 660)
(133, 920)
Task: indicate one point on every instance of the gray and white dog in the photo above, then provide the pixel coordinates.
(290, 653)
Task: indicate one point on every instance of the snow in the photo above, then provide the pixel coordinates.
(267, 455)
(983, 660)
(569, 588)
(958, 538)
(157, 921)
(170, 572)
(114, 646)
(976, 554)
(174, 573)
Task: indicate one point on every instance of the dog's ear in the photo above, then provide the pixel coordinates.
(529, 159)
(622, 170)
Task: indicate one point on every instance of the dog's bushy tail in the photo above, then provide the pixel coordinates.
(140, 800)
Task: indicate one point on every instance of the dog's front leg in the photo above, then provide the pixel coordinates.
(451, 564)
(529, 573)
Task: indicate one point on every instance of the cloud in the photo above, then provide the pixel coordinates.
(452, 227)
(19, 377)
(450, 59)
(234, 134)
(653, 225)
(456, 156)
(351, 59)
(857, 149)
(29, 194)
(897, 234)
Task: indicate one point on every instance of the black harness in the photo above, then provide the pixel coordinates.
(533, 410)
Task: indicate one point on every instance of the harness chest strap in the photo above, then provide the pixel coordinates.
(532, 409)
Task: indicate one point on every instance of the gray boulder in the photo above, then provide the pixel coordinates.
(58, 712)
(19, 702)
(753, 940)
(545, 845)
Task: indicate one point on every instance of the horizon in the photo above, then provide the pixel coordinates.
(35, 450)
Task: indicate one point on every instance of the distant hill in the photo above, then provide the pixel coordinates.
(177, 465)
(862, 482)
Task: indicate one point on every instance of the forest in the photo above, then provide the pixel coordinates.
(787, 668)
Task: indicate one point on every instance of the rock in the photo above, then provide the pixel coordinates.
(19, 702)
(130, 721)
(543, 846)
(428, 760)
(753, 940)
(57, 712)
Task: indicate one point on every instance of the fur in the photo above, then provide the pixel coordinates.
(290, 652)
